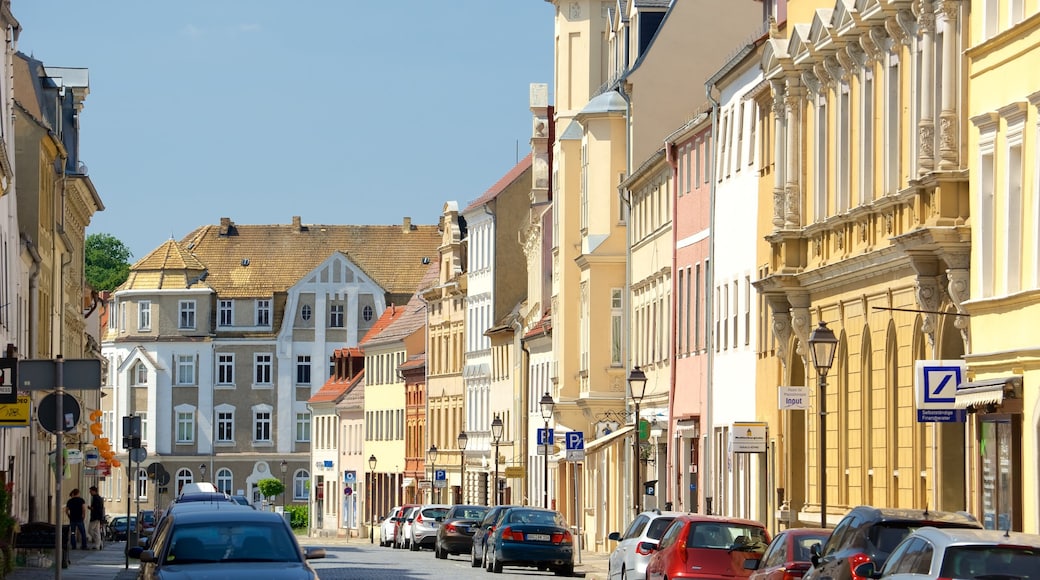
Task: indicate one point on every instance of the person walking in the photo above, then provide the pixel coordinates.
(76, 510)
(97, 519)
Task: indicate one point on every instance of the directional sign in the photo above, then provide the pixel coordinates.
(77, 374)
(575, 440)
(936, 383)
(545, 436)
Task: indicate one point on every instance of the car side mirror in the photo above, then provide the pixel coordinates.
(313, 553)
(135, 552)
(814, 554)
(752, 563)
(614, 536)
(866, 570)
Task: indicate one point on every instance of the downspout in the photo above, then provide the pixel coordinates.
(708, 429)
(523, 377)
(626, 198)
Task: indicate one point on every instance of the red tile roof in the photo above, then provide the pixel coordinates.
(333, 389)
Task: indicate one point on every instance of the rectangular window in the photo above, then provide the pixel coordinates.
(144, 315)
(263, 366)
(225, 369)
(225, 313)
(740, 136)
(187, 315)
(679, 320)
(263, 313)
(697, 298)
(226, 427)
(747, 310)
(122, 316)
(262, 427)
(736, 310)
(144, 426)
(892, 120)
(185, 426)
(867, 141)
(303, 370)
(616, 329)
(688, 157)
(303, 427)
(697, 161)
(185, 369)
(336, 316)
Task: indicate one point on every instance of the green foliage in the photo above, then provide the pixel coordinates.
(7, 522)
(107, 261)
(270, 487)
(298, 515)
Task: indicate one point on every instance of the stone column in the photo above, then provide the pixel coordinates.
(779, 156)
(792, 193)
(949, 126)
(926, 123)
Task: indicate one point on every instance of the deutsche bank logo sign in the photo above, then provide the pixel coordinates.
(936, 383)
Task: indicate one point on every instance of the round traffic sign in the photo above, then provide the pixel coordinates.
(138, 454)
(48, 411)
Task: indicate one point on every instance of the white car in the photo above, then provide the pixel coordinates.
(629, 558)
(404, 531)
(931, 553)
(386, 527)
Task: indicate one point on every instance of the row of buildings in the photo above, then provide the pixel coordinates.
(709, 182)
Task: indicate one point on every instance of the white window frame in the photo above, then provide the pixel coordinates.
(336, 316)
(301, 485)
(225, 480)
(184, 424)
(225, 313)
(1014, 194)
(617, 308)
(144, 315)
(987, 125)
(185, 365)
(263, 425)
(141, 487)
(303, 366)
(224, 426)
(186, 315)
(303, 427)
(263, 368)
(225, 368)
(263, 312)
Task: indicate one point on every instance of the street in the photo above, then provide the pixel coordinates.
(361, 560)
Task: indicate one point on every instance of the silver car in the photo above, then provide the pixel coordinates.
(629, 558)
(955, 553)
(423, 531)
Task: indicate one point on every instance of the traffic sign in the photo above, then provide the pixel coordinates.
(349, 476)
(440, 478)
(48, 410)
(545, 436)
(936, 383)
(138, 454)
(575, 440)
(77, 374)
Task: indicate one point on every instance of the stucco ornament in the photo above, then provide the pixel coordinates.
(575, 10)
(927, 288)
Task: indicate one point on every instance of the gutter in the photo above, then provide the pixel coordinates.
(709, 275)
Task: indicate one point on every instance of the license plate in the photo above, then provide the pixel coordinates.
(538, 537)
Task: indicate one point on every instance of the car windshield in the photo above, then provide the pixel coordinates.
(471, 513)
(726, 536)
(990, 562)
(658, 526)
(231, 542)
(432, 513)
(534, 517)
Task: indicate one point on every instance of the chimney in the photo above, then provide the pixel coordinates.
(225, 226)
(407, 225)
(296, 222)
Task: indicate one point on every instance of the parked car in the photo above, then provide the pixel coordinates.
(869, 534)
(698, 546)
(455, 534)
(242, 500)
(424, 524)
(232, 542)
(403, 535)
(386, 527)
(788, 555)
(118, 526)
(146, 520)
(531, 537)
(478, 549)
(635, 546)
(957, 553)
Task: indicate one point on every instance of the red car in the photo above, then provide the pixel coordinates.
(697, 546)
(789, 554)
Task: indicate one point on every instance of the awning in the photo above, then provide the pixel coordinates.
(597, 444)
(988, 392)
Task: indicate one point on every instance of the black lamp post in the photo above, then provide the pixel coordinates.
(547, 404)
(371, 497)
(202, 470)
(463, 439)
(496, 436)
(283, 466)
(636, 384)
(822, 344)
(432, 456)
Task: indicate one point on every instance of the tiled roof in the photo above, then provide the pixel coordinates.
(502, 183)
(355, 396)
(168, 267)
(244, 261)
(414, 362)
(24, 88)
(543, 326)
(392, 313)
(412, 317)
(333, 389)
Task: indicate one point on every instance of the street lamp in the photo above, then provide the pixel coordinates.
(202, 470)
(284, 466)
(432, 456)
(371, 497)
(463, 439)
(496, 436)
(822, 344)
(547, 412)
(637, 385)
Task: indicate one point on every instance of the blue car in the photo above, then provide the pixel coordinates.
(534, 538)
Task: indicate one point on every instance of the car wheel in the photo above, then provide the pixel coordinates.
(567, 570)
(438, 553)
(413, 546)
(473, 561)
(487, 560)
(496, 567)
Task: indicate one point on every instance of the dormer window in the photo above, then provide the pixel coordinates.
(263, 313)
(305, 312)
(366, 313)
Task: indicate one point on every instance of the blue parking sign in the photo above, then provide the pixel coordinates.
(575, 440)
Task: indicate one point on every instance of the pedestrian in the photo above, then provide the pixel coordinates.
(97, 518)
(76, 510)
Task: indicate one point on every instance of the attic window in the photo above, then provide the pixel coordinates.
(305, 312)
(426, 260)
(245, 262)
(366, 313)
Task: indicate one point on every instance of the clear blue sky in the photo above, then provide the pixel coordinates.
(339, 111)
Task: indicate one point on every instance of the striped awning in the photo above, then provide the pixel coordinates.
(988, 392)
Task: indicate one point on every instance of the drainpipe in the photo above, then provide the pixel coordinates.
(709, 278)
(626, 198)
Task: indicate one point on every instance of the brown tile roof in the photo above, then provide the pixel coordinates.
(414, 362)
(502, 183)
(333, 389)
(412, 317)
(244, 261)
(543, 326)
(168, 267)
(355, 396)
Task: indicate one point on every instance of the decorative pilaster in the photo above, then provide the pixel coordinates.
(779, 159)
(948, 119)
(800, 324)
(926, 124)
(792, 187)
(960, 290)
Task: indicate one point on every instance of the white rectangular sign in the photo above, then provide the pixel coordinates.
(748, 437)
(793, 397)
(935, 384)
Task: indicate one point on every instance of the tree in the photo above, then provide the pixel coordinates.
(107, 261)
(270, 487)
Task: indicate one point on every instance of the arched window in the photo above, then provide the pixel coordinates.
(224, 481)
(301, 485)
(184, 477)
(142, 483)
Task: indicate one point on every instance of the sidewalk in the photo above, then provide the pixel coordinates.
(106, 564)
